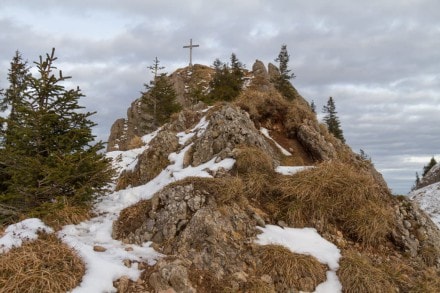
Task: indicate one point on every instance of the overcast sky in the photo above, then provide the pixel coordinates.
(379, 60)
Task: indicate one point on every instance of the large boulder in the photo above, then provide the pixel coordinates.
(228, 128)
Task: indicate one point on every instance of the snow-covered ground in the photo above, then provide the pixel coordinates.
(104, 267)
(428, 199)
(22, 231)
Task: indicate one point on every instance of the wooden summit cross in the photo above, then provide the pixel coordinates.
(190, 46)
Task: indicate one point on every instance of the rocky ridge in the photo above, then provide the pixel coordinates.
(207, 227)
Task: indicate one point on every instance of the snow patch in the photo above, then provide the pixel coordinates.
(25, 230)
(306, 241)
(102, 268)
(198, 130)
(127, 160)
(290, 170)
(428, 199)
(265, 132)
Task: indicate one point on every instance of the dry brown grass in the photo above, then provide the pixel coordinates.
(206, 282)
(43, 265)
(338, 194)
(263, 106)
(68, 215)
(298, 271)
(358, 274)
(253, 160)
(135, 142)
(428, 283)
(429, 254)
(297, 113)
(130, 219)
(61, 212)
(270, 108)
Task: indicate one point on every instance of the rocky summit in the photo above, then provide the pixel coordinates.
(240, 178)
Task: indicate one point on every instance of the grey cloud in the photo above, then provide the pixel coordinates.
(379, 60)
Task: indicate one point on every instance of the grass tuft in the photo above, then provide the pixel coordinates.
(298, 271)
(338, 194)
(358, 274)
(130, 219)
(135, 142)
(253, 160)
(61, 212)
(43, 265)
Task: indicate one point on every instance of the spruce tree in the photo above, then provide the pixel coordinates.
(49, 150)
(160, 98)
(227, 81)
(332, 120)
(282, 81)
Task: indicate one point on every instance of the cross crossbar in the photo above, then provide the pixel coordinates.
(190, 47)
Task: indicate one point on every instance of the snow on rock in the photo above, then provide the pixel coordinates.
(428, 199)
(127, 160)
(107, 266)
(306, 241)
(290, 170)
(22, 231)
(197, 130)
(265, 132)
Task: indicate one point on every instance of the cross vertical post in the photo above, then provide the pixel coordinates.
(190, 46)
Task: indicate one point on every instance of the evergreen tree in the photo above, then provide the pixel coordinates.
(153, 100)
(417, 183)
(428, 167)
(332, 120)
(48, 150)
(282, 81)
(227, 82)
(160, 99)
(13, 97)
(364, 155)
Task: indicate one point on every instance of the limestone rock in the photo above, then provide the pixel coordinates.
(117, 140)
(416, 234)
(228, 128)
(312, 139)
(188, 222)
(138, 123)
(171, 276)
(261, 79)
(274, 72)
(155, 158)
(99, 248)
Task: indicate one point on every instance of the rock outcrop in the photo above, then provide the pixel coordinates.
(416, 233)
(228, 128)
(431, 177)
(187, 82)
(206, 227)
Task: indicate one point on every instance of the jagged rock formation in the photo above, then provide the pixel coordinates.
(187, 82)
(433, 176)
(206, 227)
